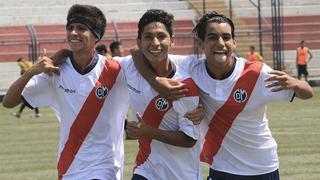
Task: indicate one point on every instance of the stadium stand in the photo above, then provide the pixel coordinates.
(301, 22)
(47, 18)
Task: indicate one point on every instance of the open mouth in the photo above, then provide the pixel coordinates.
(220, 52)
(220, 56)
(158, 51)
(74, 40)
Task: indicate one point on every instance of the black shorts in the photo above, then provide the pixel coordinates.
(218, 175)
(138, 177)
(302, 69)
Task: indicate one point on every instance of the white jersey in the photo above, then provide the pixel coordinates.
(244, 145)
(157, 160)
(91, 116)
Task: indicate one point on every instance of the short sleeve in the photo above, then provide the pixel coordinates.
(188, 63)
(39, 91)
(182, 106)
(269, 96)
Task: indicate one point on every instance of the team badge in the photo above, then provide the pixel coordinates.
(240, 95)
(102, 92)
(162, 104)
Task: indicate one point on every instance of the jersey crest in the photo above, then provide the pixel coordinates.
(162, 104)
(240, 95)
(102, 92)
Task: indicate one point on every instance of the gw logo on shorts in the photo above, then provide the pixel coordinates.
(102, 92)
(240, 95)
(162, 104)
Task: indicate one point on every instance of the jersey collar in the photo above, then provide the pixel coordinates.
(89, 67)
(227, 74)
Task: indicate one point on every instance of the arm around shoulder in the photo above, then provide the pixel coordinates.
(303, 90)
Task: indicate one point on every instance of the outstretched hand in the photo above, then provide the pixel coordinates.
(280, 80)
(138, 129)
(170, 88)
(44, 64)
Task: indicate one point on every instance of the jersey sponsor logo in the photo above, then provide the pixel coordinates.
(102, 92)
(66, 90)
(162, 104)
(240, 95)
(133, 89)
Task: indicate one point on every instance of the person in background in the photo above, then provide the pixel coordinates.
(252, 55)
(102, 50)
(116, 49)
(303, 57)
(24, 65)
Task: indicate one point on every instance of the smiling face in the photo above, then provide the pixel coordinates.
(218, 44)
(155, 42)
(80, 38)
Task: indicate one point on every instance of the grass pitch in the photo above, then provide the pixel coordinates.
(28, 146)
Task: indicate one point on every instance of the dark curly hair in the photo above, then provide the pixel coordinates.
(211, 17)
(89, 15)
(156, 15)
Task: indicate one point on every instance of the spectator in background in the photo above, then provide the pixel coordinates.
(253, 56)
(24, 64)
(116, 49)
(102, 50)
(302, 60)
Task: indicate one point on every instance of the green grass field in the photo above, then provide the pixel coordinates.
(28, 146)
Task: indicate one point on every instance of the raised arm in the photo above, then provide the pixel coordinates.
(164, 86)
(13, 95)
(283, 81)
(142, 130)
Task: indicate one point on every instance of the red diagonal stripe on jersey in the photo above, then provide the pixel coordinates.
(224, 117)
(153, 118)
(86, 117)
(191, 86)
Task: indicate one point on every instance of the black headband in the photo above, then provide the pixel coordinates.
(82, 20)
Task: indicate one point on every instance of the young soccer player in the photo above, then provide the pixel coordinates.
(90, 99)
(168, 142)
